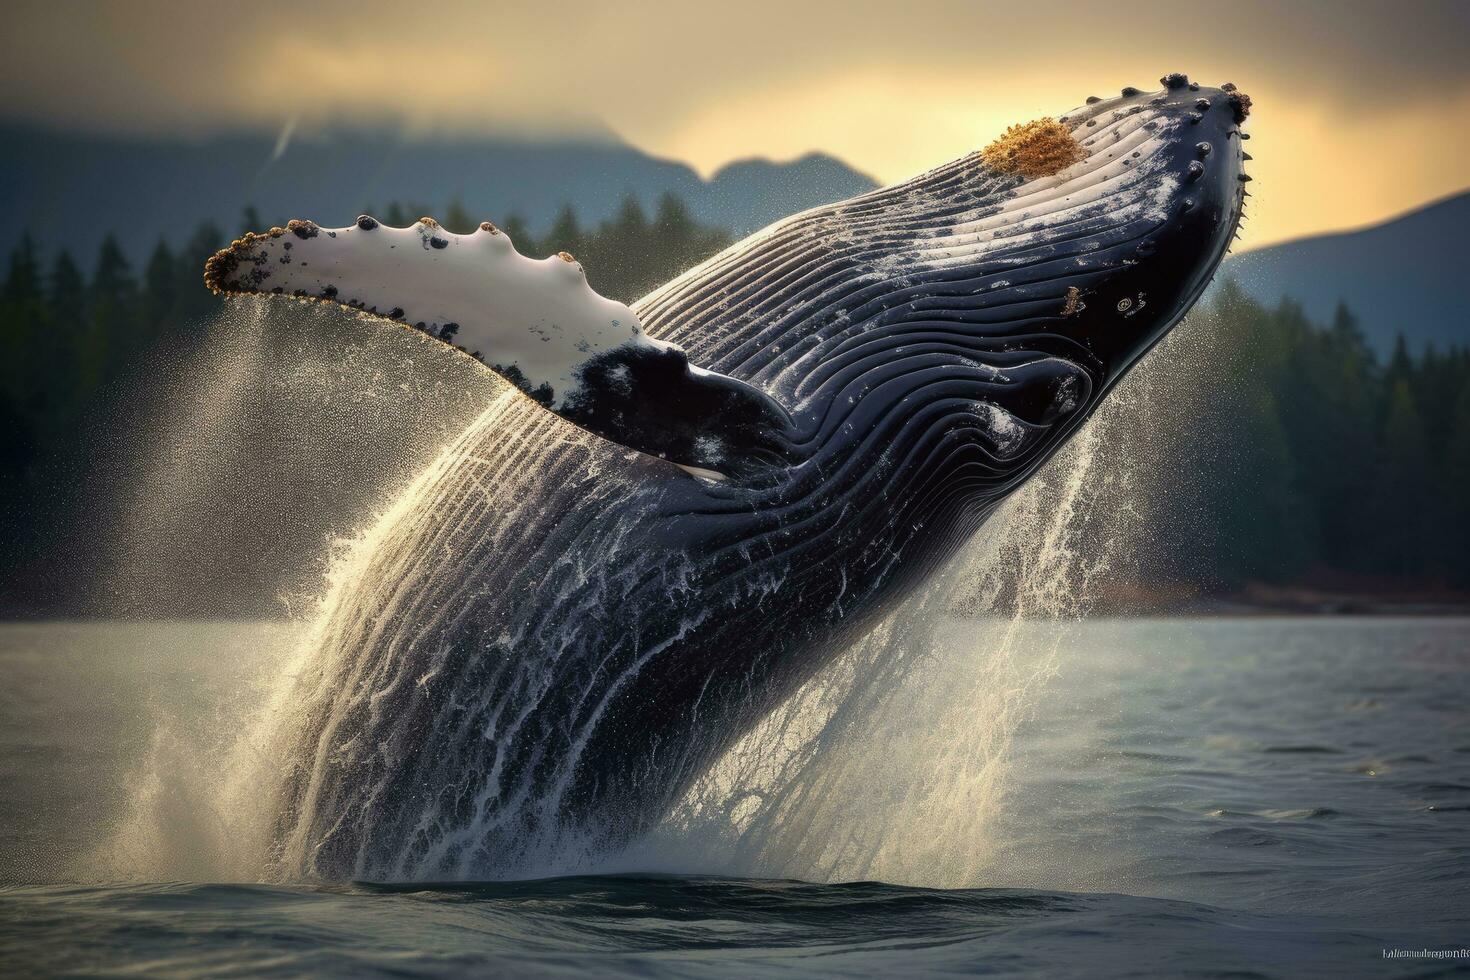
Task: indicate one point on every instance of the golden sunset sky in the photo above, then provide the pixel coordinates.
(1361, 108)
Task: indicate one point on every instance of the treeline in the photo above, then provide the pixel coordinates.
(624, 257)
(1292, 452)
(71, 331)
(65, 335)
(1298, 456)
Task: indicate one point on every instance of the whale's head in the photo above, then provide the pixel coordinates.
(964, 322)
(1121, 211)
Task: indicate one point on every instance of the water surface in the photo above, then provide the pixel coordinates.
(1203, 797)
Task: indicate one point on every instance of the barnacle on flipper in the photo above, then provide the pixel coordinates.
(1038, 148)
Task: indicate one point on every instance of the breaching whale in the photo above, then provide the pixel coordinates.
(705, 496)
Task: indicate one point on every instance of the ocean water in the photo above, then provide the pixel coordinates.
(1228, 797)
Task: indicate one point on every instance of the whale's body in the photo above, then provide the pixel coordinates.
(556, 635)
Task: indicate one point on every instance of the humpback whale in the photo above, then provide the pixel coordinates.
(694, 502)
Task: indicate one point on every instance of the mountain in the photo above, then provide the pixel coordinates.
(70, 190)
(1402, 275)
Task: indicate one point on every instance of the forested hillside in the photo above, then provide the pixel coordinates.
(1298, 456)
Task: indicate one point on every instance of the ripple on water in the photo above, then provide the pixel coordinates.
(1301, 750)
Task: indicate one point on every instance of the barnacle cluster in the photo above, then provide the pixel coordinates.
(1038, 148)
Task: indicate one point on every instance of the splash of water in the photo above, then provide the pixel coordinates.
(891, 764)
(262, 441)
(205, 801)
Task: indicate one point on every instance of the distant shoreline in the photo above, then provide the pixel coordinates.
(1287, 605)
(1260, 599)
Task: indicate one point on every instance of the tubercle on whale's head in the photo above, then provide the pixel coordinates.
(1157, 180)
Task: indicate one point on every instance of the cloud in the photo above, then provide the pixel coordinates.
(892, 88)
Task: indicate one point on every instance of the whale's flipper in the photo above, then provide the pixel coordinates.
(537, 323)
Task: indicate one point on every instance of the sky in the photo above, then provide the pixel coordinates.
(1360, 108)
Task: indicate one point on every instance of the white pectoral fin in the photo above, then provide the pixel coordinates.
(536, 322)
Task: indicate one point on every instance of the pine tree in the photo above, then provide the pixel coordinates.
(520, 235)
(67, 290)
(1454, 530)
(110, 333)
(458, 220)
(23, 326)
(112, 279)
(1264, 523)
(1345, 328)
(192, 302)
(1436, 388)
(674, 243)
(250, 220)
(627, 252)
(672, 218)
(160, 287)
(1401, 522)
(66, 303)
(630, 224)
(23, 281)
(1400, 366)
(53, 351)
(566, 232)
